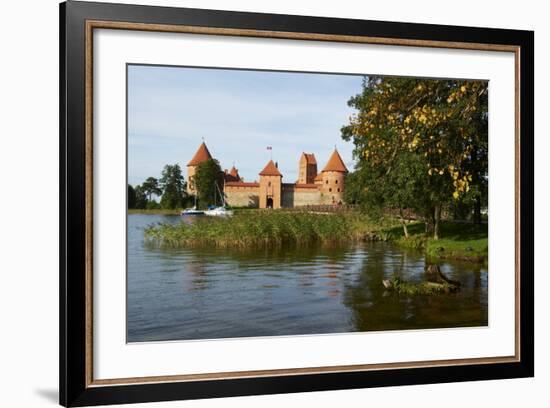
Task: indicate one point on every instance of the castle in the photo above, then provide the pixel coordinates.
(311, 188)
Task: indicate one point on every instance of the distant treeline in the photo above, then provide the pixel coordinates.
(171, 188)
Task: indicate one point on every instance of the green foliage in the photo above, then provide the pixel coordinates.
(260, 228)
(156, 211)
(417, 242)
(152, 205)
(403, 186)
(462, 241)
(354, 191)
(419, 144)
(131, 197)
(421, 288)
(141, 197)
(265, 229)
(207, 176)
(151, 187)
(173, 187)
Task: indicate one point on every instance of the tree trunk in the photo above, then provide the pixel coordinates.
(477, 210)
(404, 223)
(429, 226)
(433, 274)
(437, 221)
(430, 222)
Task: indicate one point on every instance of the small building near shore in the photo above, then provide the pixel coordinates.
(311, 188)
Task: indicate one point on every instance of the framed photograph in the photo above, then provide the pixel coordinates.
(256, 203)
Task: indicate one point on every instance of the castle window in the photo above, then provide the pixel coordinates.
(269, 184)
(338, 190)
(330, 190)
(327, 182)
(335, 181)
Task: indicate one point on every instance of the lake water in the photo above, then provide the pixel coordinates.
(181, 294)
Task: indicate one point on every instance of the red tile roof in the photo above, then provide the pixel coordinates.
(200, 156)
(232, 175)
(270, 170)
(335, 163)
(241, 184)
(310, 158)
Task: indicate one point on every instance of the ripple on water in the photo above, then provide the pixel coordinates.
(180, 294)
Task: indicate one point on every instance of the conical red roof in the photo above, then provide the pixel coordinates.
(200, 156)
(270, 170)
(335, 163)
(234, 172)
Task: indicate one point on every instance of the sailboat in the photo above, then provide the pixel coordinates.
(220, 211)
(193, 210)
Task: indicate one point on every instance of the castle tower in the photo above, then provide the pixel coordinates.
(232, 175)
(200, 156)
(307, 170)
(333, 178)
(234, 172)
(270, 186)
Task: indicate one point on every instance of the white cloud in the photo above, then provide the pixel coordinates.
(239, 114)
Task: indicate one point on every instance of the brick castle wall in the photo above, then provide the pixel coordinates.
(242, 196)
(297, 197)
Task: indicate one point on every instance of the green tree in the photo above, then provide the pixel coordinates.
(150, 187)
(152, 205)
(356, 185)
(375, 190)
(131, 198)
(173, 187)
(408, 124)
(208, 178)
(141, 198)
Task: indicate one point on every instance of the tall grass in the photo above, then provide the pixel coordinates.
(265, 229)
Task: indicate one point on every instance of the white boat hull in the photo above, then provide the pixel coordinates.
(192, 212)
(219, 212)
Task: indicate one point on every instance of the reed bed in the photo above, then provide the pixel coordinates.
(252, 229)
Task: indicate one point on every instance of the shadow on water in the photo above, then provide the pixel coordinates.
(207, 293)
(375, 308)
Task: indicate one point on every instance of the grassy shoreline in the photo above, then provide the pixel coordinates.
(261, 229)
(159, 211)
(459, 241)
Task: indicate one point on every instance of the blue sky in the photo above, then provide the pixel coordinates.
(238, 113)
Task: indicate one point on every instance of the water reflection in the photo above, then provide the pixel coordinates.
(209, 293)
